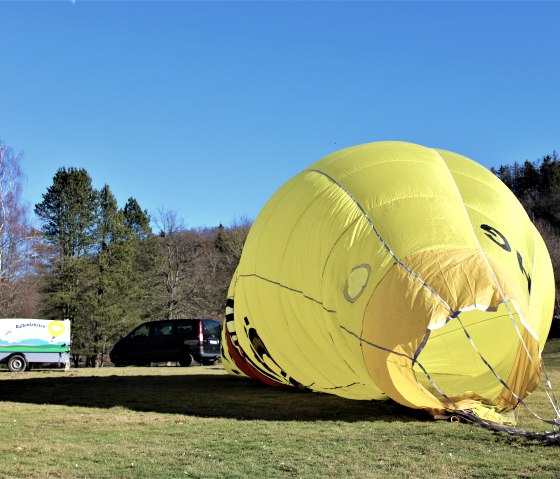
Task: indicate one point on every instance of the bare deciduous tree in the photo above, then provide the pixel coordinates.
(17, 238)
(180, 249)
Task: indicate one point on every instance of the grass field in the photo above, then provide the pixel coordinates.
(172, 422)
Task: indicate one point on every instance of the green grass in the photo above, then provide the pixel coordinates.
(201, 423)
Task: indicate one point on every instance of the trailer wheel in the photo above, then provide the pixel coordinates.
(17, 363)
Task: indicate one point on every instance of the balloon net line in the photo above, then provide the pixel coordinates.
(380, 238)
(293, 290)
(457, 412)
(452, 311)
(537, 368)
(520, 400)
(548, 436)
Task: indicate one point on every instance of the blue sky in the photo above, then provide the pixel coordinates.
(206, 108)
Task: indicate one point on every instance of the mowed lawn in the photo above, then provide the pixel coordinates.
(198, 422)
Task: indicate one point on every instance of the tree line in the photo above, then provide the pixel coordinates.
(537, 186)
(108, 268)
(104, 267)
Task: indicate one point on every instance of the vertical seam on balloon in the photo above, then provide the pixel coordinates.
(350, 225)
(385, 245)
(283, 301)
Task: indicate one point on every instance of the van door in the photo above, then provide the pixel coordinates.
(188, 332)
(164, 342)
(139, 345)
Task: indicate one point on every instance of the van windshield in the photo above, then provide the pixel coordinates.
(211, 328)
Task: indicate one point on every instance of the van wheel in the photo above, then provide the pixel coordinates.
(17, 363)
(208, 362)
(186, 359)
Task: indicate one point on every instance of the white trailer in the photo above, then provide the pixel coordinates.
(27, 341)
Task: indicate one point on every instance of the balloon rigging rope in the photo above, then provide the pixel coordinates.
(552, 399)
(554, 422)
(453, 313)
(262, 278)
(408, 270)
(548, 436)
(549, 391)
(494, 277)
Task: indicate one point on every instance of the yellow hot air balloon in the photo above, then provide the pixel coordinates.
(392, 269)
(56, 328)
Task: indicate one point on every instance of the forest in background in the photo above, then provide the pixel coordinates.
(108, 268)
(537, 186)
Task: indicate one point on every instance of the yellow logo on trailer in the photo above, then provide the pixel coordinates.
(56, 328)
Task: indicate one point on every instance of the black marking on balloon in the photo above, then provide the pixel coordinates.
(233, 336)
(496, 236)
(260, 351)
(254, 275)
(259, 365)
(523, 270)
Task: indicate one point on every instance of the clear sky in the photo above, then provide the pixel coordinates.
(206, 108)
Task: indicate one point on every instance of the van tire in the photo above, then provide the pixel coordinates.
(186, 359)
(17, 363)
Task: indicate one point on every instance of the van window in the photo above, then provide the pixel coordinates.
(187, 329)
(211, 328)
(163, 329)
(142, 332)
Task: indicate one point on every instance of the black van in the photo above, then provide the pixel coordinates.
(182, 340)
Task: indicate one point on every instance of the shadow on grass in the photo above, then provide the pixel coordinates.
(200, 395)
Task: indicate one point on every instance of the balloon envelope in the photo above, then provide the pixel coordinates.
(391, 269)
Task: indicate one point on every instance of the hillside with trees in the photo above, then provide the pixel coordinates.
(108, 268)
(537, 186)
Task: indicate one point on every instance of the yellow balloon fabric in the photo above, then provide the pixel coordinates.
(392, 269)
